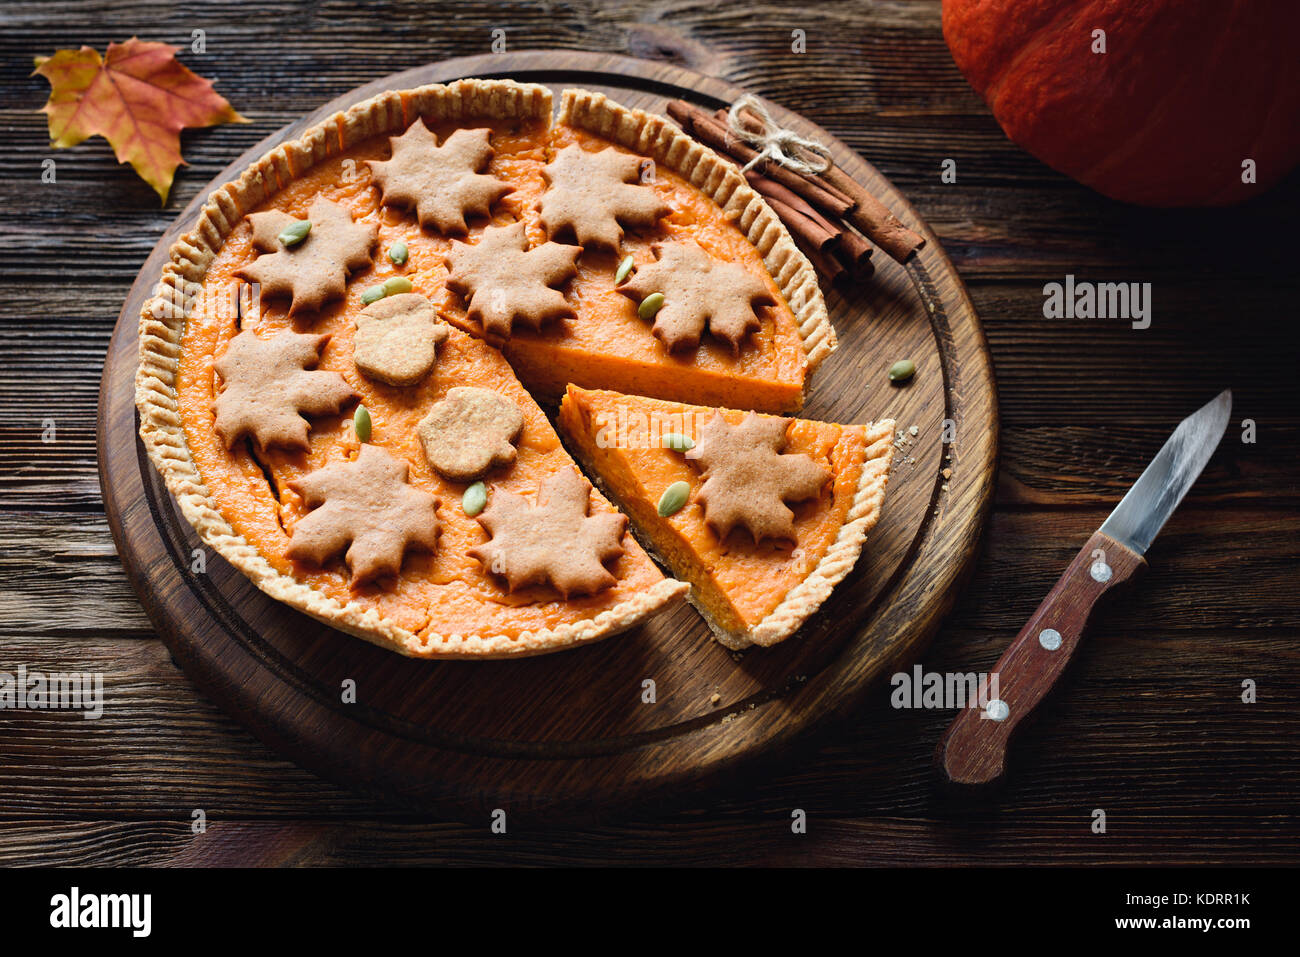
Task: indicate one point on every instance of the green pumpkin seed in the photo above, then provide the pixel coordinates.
(361, 422)
(295, 232)
(902, 370)
(677, 442)
(624, 270)
(674, 498)
(398, 253)
(650, 305)
(474, 500)
(373, 294)
(397, 284)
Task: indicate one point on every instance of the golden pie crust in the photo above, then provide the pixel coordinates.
(163, 323)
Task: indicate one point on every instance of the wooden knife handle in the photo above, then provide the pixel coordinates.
(973, 753)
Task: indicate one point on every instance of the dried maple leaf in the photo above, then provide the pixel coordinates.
(699, 291)
(314, 270)
(503, 280)
(748, 479)
(593, 195)
(442, 183)
(138, 97)
(268, 387)
(554, 541)
(367, 508)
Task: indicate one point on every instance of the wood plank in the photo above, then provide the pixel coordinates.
(830, 841)
(64, 562)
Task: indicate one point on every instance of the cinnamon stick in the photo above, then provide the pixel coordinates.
(773, 190)
(826, 266)
(799, 216)
(872, 217)
(855, 252)
(705, 127)
(844, 244)
(804, 227)
(803, 203)
(868, 213)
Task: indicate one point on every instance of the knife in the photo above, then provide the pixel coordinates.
(973, 753)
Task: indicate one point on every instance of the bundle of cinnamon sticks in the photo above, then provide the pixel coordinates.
(832, 218)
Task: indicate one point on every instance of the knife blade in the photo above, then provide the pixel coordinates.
(973, 752)
(1143, 511)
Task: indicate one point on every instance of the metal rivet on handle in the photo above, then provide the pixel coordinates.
(1100, 572)
(1050, 639)
(997, 710)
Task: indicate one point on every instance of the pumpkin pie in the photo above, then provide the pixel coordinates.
(339, 367)
(763, 515)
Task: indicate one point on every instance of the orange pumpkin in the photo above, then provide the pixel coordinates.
(1185, 93)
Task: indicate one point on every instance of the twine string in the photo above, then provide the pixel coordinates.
(773, 142)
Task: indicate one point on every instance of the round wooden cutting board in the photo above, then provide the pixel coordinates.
(579, 733)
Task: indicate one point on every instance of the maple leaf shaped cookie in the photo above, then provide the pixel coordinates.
(699, 291)
(554, 541)
(503, 281)
(594, 195)
(367, 510)
(748, 479)
(268, 387)
(316, 269)
(442, 183)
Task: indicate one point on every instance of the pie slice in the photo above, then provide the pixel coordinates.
(794, 500)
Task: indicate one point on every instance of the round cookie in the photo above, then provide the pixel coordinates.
(397, 339)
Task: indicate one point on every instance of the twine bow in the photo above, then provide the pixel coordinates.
(774, 142)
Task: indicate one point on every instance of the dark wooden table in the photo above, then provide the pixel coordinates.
(1150, 728)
